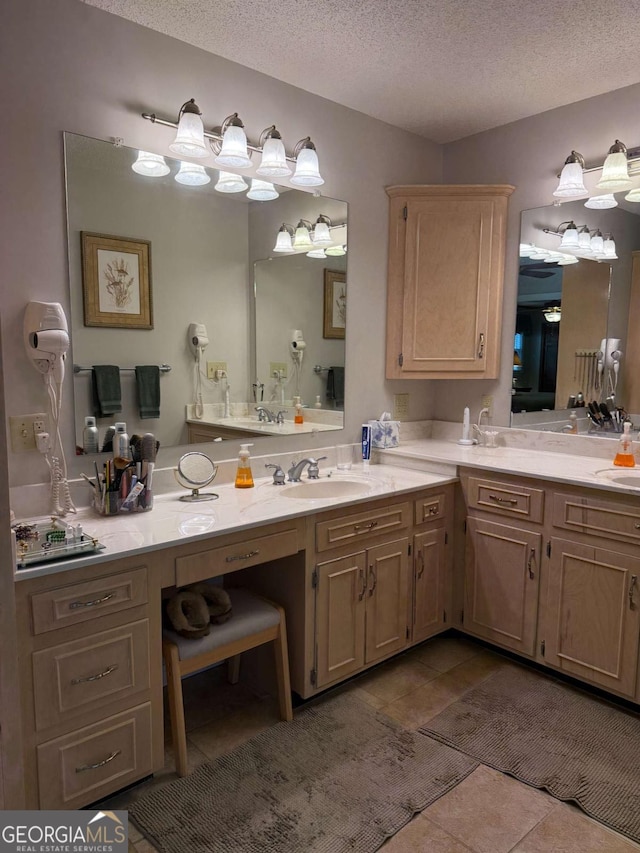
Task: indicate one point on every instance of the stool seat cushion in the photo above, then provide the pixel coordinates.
(250, 615)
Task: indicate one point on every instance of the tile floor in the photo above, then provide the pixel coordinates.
(486, 813)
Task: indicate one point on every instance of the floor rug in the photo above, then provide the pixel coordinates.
(551, 736)
(340, 777)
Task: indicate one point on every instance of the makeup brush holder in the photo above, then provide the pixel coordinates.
(113, 503)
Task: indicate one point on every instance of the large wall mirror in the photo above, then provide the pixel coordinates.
(575, 337)
(210, 262)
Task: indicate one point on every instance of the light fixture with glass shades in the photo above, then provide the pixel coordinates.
(321, 234)
(230, 183)
(552, 314)
(582, 242)
(317, 253)
(601, 202)
(324, 239)
(302, 236)
(262, 191)
(618, 171)
(232, 150)
(150, 165)
(192, 174)
(284, 244)
(335, 251)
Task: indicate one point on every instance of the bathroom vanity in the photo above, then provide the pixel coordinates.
(519, 548)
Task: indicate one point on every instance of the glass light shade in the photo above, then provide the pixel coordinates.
(189, 141)
(633, 195)
(233, 153)
(597, 244)
(584, 239)
(283, 243)
(601, 202)
(321, 234)
(552, 315)
(262, 190)
(609, 248)
(316, 253)
(539, 254)
(335, 251)
(571, 182)
(192, 175)
(567, 260)
(615, 172)
(230, 183)
(274, 160)
(553, 257)
(570, 237)
(307, 172)
(526, 249)
(302, 239)
(150, 165)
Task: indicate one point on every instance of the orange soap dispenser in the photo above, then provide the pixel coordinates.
(244, 477)
(624, 456)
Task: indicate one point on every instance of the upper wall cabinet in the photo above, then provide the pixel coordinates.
(446, 270)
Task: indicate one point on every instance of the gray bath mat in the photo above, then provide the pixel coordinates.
(551, 736)
(340, 777)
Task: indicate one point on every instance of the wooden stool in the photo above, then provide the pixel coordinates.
(254, 621)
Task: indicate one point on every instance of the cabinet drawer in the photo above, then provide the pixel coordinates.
(506, 499)
(68, 605)
(430, 508)
(84, 675)
(594, 517)
(342, 531)
(231, 558)
(95, 761)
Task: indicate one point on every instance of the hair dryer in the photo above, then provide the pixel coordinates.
(46, 337)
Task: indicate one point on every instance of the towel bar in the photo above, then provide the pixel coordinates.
(163, 368)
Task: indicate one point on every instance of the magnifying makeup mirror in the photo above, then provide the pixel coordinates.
(195, 471)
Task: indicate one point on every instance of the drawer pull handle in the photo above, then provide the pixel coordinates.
(433, 509)
(363, 585)
(75, 604)
(500, 500)
(532, 556)
(420, 563)
(634, 581)
(85, 679)
(369, 526)
(637, 526)
(375, 580)
(247, 556)
(481, 345)
(84, 767)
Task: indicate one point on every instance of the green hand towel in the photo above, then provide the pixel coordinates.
(107, 398)
(148, 385)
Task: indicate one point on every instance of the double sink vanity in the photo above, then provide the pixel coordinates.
(533, 551)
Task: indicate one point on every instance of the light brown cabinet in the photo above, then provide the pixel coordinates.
(429, 583)
(361, 609)
(445, 281)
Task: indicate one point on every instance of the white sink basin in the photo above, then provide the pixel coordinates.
(323, 489)
(622, 476)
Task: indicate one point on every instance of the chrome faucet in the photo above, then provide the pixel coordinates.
(478, 427)
(295, 472)
(278, 474)
(265, 414)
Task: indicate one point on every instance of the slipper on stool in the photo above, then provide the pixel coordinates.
(217, 600)
(188, 613)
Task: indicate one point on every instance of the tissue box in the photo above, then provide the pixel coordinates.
(385, 433)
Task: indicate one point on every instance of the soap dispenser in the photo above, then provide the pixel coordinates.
(624, 456)
(244, 477)
(298, 419)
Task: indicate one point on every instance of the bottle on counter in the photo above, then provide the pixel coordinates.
(318, 402)
(244, 477)
(573, 423)
(298, 419)
(121, 446)
(624, 457)
(90, 441)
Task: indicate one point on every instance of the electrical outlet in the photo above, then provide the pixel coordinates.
(278, 367)
(400, 407)
(22, 429)
(487, 403)
(213, 366)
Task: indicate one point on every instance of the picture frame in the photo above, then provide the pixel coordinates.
(335, 304)
(116, 281)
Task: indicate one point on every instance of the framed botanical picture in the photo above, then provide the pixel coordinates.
(335, 304)
(116, 282)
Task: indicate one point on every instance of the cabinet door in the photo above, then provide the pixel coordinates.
(387, 599)
(593, 614)
(428, 584)
(502, 576)
(340, 617)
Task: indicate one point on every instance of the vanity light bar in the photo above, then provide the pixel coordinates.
(633, 158)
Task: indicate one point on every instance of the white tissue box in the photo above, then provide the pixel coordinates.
(385, 433)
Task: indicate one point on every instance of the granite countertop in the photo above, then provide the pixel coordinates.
(174, 522)
(253, 425)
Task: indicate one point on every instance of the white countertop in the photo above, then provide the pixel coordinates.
(174, 522)
(250, 426)
(552, 466)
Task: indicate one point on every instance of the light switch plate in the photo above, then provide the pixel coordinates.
(213, 366)
(400, 407)
(275, 366)
(23, 428)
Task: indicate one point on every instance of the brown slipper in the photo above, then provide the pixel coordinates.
(217, 600)
(188, 613)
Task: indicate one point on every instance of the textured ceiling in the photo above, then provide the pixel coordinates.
(444, 69)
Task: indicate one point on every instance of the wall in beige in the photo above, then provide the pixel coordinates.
(83, 70)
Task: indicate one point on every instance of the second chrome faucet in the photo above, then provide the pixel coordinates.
(295, 472)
